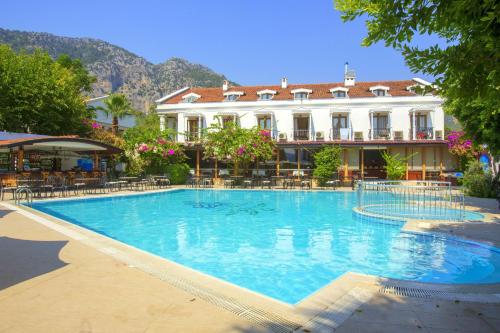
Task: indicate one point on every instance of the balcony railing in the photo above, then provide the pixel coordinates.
(300, 134)
(340, 133)
(380, 133)
(422, 133)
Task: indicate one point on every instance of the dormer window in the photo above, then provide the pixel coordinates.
(339, 92)
(301, 94)
(232, 96)
(380, 91)
(266, 95)
(190, 98)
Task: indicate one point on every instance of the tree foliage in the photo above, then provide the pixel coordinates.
(478, 182)
(327, 161)
(43, 96)
(395, 165)
(236, 145)
(466, 69)
(118, 106)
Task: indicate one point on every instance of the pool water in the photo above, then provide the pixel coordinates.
(285, 245)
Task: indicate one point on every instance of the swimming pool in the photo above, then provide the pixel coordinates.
(283, 244)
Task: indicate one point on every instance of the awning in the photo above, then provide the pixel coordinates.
(59, 143)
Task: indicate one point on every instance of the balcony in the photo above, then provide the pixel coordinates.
(340, 133)
(422, 133)
(300, 134)
(380, 133)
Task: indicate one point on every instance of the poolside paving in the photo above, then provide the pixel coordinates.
(54, 283)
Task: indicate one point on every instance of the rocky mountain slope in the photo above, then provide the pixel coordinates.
(116, 69)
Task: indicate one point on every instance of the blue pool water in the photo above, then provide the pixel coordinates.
(285, 245)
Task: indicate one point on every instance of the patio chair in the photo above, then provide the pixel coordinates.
(334, 182)
(247, 183)
(4, 188)
(305, 183)
(266, 182)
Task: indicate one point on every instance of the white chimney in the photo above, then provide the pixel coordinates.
(284, 83)
(349, 76)
(225, 85)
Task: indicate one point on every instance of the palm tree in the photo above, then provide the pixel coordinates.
(118, 106)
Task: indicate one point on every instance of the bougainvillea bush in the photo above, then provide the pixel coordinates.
(462, 147)
(237, 146)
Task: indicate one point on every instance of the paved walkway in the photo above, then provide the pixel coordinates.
(51, 283)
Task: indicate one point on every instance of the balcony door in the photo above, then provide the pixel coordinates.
(193, 128)
(301, 128)
(338, 122)
(380, 126)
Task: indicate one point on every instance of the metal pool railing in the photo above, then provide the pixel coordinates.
(427, 200)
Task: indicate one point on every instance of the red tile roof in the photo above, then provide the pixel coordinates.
(319, 91)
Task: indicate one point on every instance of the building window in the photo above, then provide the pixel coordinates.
(379, 92)
(232, 97)
(339, 94)
(301, 95)
(190, 99)
(266, 97)
(193, 129)
(264, 122)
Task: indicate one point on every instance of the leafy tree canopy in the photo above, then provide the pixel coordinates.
(43, 96)
(327, 161)
(466, 69)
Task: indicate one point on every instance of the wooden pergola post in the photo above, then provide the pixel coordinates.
(20, 159)
(407, 165)
(362, 161)
(277, 161)
(298, 161)
(423, 163)
(216, 176)
(441, 161)
(346, 163)
(197, 162)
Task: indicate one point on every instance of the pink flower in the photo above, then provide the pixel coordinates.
(143, 148)
(96, 125)
(161, 141)
(171, 152)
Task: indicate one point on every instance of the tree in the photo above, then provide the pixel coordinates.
(395, 165)
(118, 106)
(327, 161)
(43, 96)
(236, 145)
(466, 69)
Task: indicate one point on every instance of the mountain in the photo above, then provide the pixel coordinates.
(116, 69)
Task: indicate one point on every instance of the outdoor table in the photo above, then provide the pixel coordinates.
(162, 180)
(275, 179)
(237, 179)
(126, 180)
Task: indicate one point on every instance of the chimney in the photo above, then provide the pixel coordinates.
(284, 83)
(225, 85)
(349, 76)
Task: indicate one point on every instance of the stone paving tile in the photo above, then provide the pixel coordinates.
(454, 322)
(367, 327)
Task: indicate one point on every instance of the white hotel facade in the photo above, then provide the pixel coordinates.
(364, 118)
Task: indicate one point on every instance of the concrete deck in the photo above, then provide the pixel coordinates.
(54, 281)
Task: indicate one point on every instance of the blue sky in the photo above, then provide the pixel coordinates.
(251, 42)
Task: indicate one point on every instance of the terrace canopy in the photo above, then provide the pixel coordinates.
(31, 152)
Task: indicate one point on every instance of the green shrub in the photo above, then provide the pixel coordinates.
(178, 173)
(395, 165)
(327, 162)
(477, 182)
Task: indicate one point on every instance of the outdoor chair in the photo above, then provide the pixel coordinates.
(266, 182)
(288, 183)
(305, 184)
(228, 182)
(207, 182)
(4, 188)
(334, 182)
(247, 183)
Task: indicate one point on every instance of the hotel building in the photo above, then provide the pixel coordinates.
(364, 118)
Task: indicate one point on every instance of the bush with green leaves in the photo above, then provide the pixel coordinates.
(395, 165)
(477, 182)
(177, 173)
(327, 162)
